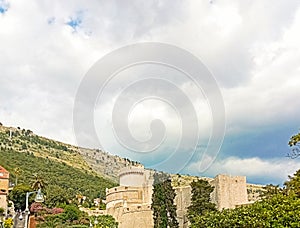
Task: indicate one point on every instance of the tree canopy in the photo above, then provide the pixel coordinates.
(294, 143)
(279, 208)
(164, 210)
(200, 201)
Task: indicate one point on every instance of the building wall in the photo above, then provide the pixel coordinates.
(130, 203)
(4, 184)
(138, 216)
(229, 191)
(254, 191)
(3, 201)
(182, 202)
(132, 176)
(135, 176)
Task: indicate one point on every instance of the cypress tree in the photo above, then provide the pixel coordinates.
(200, 202)
(164, 210)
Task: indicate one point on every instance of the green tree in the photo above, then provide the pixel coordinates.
(164, 210)
(200, 201)
(270, 190)
(71, 213)
(1, 211)
(294, 143)
(293, 184)
(56, 196)
(104, 221)
(278, 211)
(18, 195)
(38, 182)
(278, 208)
(17, 172)
(294, 140)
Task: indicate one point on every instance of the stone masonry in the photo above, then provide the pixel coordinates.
(130, 203)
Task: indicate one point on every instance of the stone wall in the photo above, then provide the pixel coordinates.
(254, 191)
(131, 205)
(138, 216)
(229, 191)
(182, 202)
(134, 176)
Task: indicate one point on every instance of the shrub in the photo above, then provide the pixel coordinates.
(57, 210)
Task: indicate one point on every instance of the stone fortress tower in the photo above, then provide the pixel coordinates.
(130, 203)
(229, 192)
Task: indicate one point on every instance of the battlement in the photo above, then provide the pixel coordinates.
(134, 176)
(229, 191)
(133, 198)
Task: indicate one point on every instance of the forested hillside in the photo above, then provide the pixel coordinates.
(91, 160)
(61, 167)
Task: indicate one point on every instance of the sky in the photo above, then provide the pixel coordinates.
(250, 48)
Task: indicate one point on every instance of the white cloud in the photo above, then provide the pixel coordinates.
(274, 170)
(254, 54)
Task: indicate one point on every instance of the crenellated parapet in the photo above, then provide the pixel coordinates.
(130, 203)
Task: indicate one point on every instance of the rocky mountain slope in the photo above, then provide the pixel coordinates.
(89, 160)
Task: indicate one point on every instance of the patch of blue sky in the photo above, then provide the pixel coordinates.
(3, 6)
(75, 21)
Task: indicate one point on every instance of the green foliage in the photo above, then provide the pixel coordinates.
(38, 182)
(8, 223)
(59, 176)
(66, 219)
(18, 196)
(277, 211)
(293, 184)
(17, 172)
(278, 208)
(164, 210)
(104, 221)
(56, 196)
(71, 213)
(270, 190)
(200, 201)
(294, 140)
(1, 211)
(295, 144)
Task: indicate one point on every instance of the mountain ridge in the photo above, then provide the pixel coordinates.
(90, 160)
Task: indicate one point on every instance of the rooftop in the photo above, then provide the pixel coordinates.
(4, 174)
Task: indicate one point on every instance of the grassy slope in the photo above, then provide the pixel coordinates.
(59, 164)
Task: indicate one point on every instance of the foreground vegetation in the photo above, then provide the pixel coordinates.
(69, 216)
(279, 207)
(164, 210)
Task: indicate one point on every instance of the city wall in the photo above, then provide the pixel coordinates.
(130, 203)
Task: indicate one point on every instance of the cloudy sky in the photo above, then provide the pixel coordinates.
(252, 49)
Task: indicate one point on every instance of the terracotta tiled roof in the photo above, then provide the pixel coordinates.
(4, 174)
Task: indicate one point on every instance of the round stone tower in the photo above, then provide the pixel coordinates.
(133, 176)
